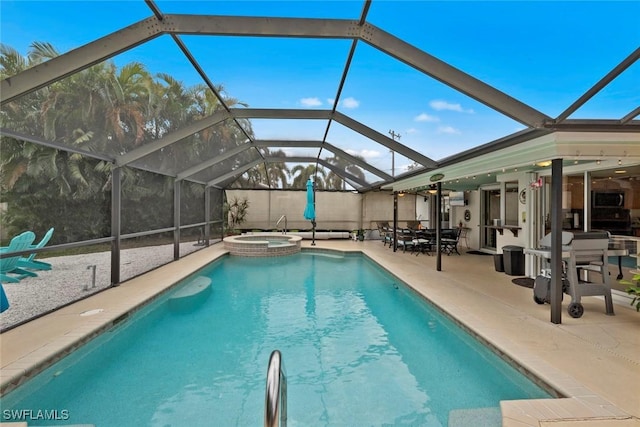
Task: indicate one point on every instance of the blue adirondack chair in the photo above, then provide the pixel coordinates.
(4, 302)
(10, 265)
(33, 264)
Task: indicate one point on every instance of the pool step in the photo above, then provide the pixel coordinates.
(476, 417)
(323, 254)
(191, 295)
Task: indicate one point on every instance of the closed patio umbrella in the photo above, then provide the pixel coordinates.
(310, 210)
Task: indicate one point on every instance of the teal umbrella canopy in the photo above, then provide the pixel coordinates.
(310, 210)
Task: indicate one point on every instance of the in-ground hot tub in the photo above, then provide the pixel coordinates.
(263, 245)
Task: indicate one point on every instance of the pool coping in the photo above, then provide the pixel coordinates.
(42, 350)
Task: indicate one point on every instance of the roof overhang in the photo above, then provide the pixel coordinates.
(527, 156)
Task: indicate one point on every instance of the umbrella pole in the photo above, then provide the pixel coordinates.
(313, 233)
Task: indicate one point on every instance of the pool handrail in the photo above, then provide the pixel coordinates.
(284, 216)
(275, 402)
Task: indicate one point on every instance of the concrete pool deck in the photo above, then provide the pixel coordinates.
(594, 360)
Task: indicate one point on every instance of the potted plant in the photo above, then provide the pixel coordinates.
(633, 289)
(236, 211)
(360, 235)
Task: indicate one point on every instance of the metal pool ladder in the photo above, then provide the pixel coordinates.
(275, 402)
(284, 230)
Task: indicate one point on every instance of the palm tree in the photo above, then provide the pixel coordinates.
(301, 175)
(104, 109)
(334, 180)
(277, 172)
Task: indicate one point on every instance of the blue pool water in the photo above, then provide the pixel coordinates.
(360, 349)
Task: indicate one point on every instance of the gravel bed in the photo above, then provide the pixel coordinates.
(71, 279)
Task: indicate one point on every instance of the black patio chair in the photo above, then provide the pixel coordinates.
(449, 241)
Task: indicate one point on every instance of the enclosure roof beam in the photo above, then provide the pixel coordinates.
(287, 143)
(213, 161)
(343, 174)
(133, 35)
(79, 59)
(235, 172)
(453, 77)
(384, 140)
(358, 162)
(318, 28)
(140, 32)
(56, 146)
(253, 113)
(611, 75)
(328, 146)
(633, 114)
(275, 113)
(302, 159)
(345, 71)
(173, 137)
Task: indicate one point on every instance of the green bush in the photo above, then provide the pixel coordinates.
(633, 289)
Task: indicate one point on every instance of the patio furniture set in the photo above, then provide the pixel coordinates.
(419, 241)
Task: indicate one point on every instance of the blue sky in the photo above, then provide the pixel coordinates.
(545, 54)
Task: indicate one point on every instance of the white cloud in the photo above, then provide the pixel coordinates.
(440, 105)
(350, 103)
(424, 117)
(448, 130)
(411, 131)
(370, 154)
(366, 154)
(310, 102)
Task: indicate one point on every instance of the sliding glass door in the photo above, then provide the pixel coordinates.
(490, 208)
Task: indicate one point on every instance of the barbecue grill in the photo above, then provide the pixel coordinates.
(581, 252)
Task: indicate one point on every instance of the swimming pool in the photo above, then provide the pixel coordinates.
(359, 348)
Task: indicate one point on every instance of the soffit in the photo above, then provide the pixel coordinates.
(575, 148)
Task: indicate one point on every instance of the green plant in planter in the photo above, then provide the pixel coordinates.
(236, 212)
(633, 289)
(360, 234)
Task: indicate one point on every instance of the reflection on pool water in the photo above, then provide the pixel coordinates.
(359, 349)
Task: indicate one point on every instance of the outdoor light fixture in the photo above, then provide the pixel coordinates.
(544, 163)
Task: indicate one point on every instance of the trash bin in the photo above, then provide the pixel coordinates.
(513, 260)
(498, 262)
